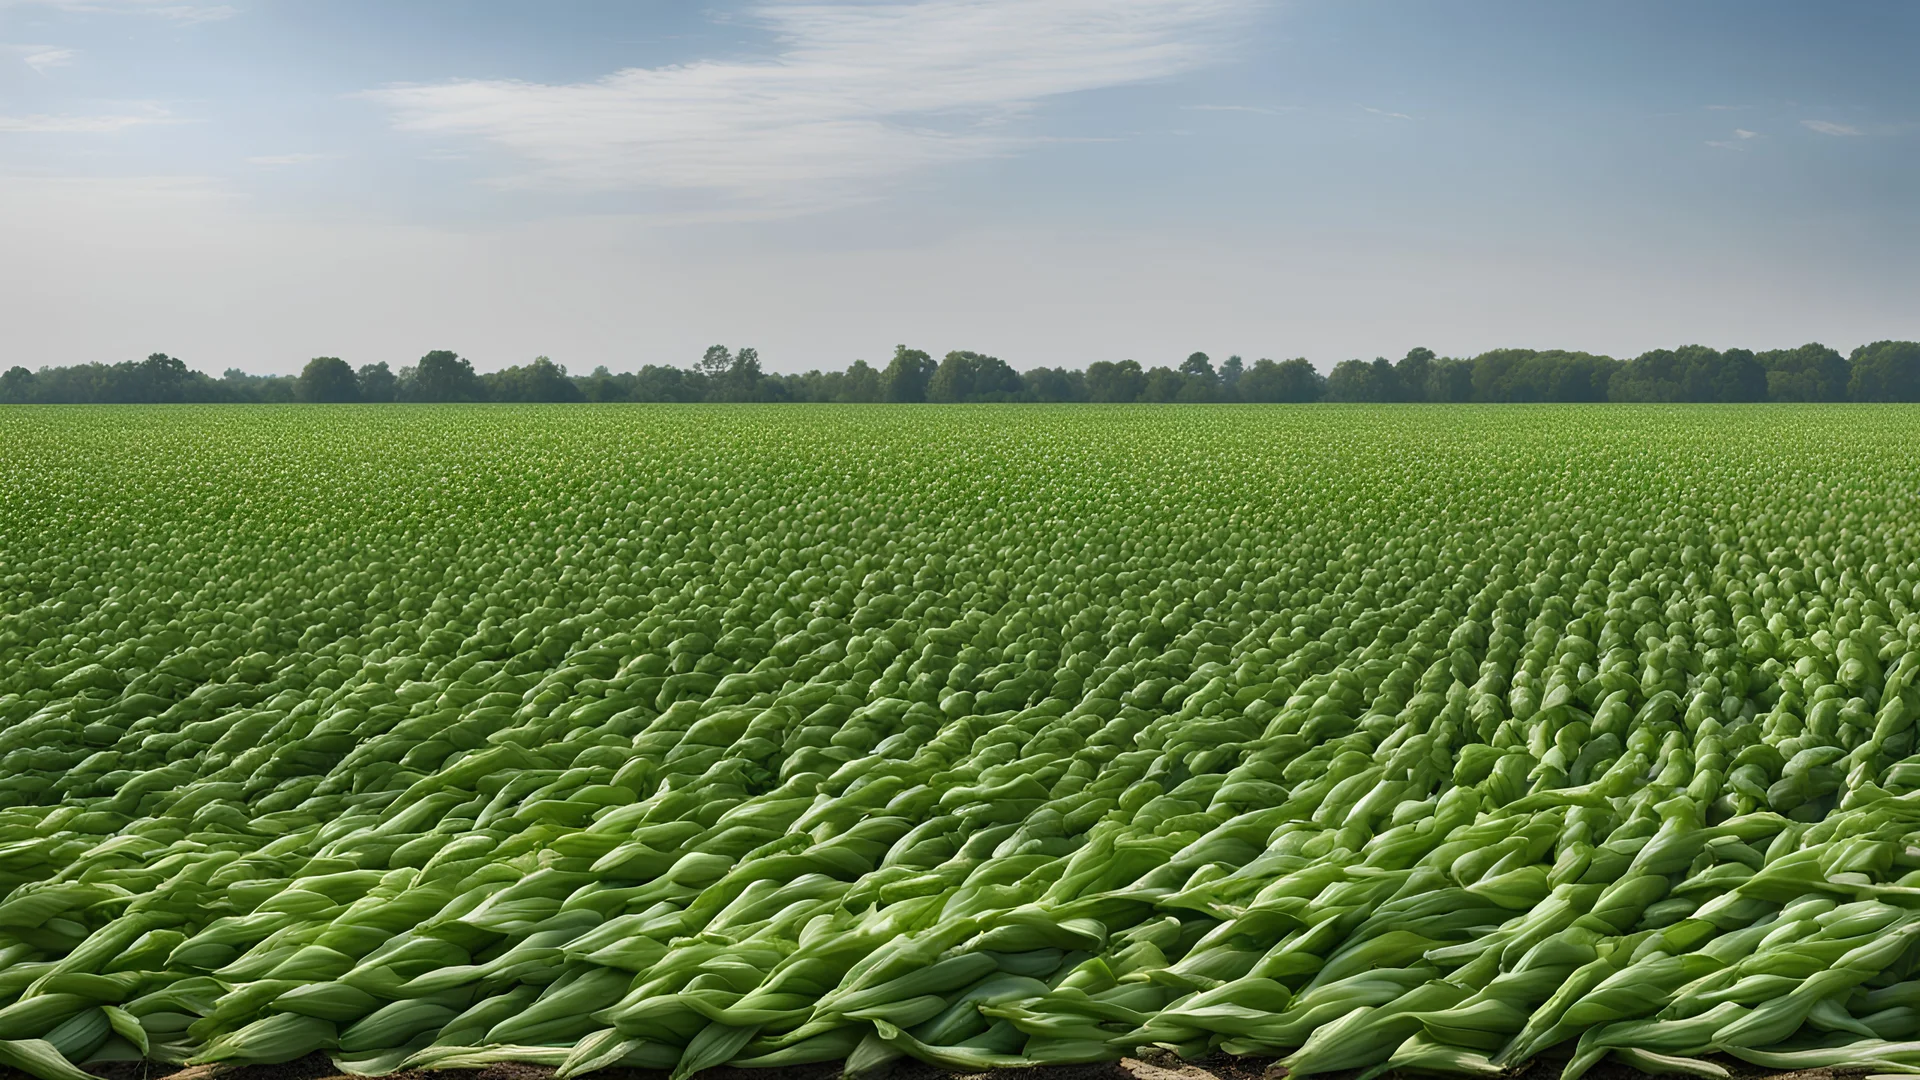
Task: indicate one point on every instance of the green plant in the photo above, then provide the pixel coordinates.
(679, 737)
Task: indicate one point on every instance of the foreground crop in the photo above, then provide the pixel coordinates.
(1428, 740)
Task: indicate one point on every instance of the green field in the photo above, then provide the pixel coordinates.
(1426, 738)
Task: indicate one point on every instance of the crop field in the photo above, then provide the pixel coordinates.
(1433, 740)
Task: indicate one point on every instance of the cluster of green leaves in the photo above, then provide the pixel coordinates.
(1882, 371)
(675, 738)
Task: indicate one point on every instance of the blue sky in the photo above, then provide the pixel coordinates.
(253, 182)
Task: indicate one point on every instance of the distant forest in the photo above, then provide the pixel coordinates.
(1883, 371)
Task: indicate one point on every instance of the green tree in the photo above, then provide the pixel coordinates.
(1502, 375)
(1359, 381)
(906, 378)
(1690, 373)
(1112, 382)
(1697, 369)
(1523, 375)
(861, 383)
(541, 380)
(1450, 380)
(742, 378)
(377, 383)
(17, 386)
(1886, 371)
(972, 376)
(327, 379)
(1051, 384)
(1574, 376)
(1198, 365)
(237, 385)
(1163, 385)
(1812, 372)
(1292, 381)
(601, 385)
(1230, 373)
(159, 378)
(1195, 390)
(443, 375)
(716, 362)
(1651, 376)
(1386, 380)
(1739, 376)
(662, 382)
(1413, 373)
(1200, 381)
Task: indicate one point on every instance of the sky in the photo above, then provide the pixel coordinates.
(251, 183)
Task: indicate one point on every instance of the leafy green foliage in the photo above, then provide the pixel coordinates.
(969, 376)
(328, 380)
(1885, 371)
(674, 738)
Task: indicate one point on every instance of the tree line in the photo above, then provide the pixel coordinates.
(1882, 371)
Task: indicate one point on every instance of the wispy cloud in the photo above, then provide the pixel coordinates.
(41, 58)
(1385, 113)
(281, 161)
(858, 96)
(1828, 127)
(82, 124)
(165, 9)
(1740, 137)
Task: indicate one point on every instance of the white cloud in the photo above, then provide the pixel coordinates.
(40, 58)
(95, 124)
(1385, 113)
(858, 96)
(165, 9)
(1743, 133)
(49, 58)
(1828, 127)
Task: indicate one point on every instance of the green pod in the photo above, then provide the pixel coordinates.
(596, 989)
(35, 1016)
(607, 1049)
(944, 976)
(78, 1037)
(1421, 1053)
(39, 1058)
(1484, 1024)
(470, 1027)
(128, 1027)
(961, 1018)
(835, 1045)
(335, 1001)
(716, 1044)
(997, 1048)
(393, 1025)
(271, 1041)
(1367, 1035)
